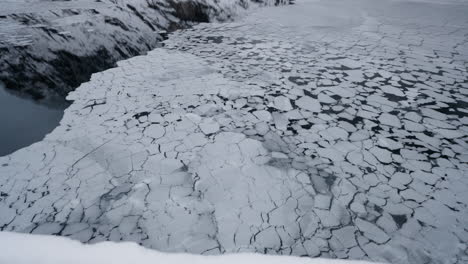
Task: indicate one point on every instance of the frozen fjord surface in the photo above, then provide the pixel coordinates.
(296, 130)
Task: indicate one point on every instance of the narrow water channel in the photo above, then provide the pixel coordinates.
(23, 121)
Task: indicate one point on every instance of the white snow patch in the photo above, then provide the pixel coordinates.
(41, 249)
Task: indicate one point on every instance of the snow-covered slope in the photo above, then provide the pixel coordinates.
(40, 249)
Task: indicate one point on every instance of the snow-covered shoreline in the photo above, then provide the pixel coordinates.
(42, 249)
(48, 48)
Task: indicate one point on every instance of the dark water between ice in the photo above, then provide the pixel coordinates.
(23, 122)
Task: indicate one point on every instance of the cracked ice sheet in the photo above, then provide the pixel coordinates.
(312, 136)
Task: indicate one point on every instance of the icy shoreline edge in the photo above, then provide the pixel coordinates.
(42, 249)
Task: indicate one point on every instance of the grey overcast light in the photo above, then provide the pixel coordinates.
(233, 131)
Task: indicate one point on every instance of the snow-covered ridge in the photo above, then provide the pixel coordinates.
(48, 48)
(42, 249)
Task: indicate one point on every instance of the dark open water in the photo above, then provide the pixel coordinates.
(23, 122)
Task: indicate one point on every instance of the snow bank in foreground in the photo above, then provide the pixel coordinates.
(25, 248)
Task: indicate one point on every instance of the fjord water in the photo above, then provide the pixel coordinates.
(23, 121)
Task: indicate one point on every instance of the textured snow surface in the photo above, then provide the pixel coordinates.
(327, 128)
(43, 249)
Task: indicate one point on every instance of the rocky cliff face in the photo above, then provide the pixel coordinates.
(47, 48)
